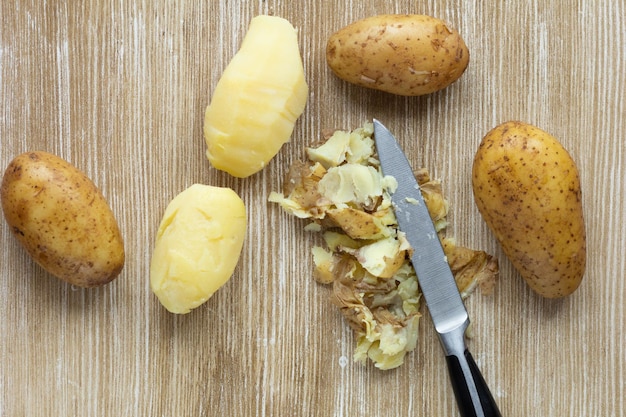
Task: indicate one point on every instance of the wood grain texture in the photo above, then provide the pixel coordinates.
(119, 89)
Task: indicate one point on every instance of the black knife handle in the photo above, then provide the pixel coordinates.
(461, 383)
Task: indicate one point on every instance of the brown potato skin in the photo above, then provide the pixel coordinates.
(62, 219)
(527, 188)
(408, 55)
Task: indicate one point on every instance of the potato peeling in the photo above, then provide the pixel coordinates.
(342, 191)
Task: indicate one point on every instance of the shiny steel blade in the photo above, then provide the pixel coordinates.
(430, 263)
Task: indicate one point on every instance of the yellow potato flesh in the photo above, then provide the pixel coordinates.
(407, 55)
(527, 188)
(198, 246)
(61, 218)
(257, 100)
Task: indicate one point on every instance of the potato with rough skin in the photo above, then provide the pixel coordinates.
(62, 220)
(198, 246)
(408, 55)
(527, 188)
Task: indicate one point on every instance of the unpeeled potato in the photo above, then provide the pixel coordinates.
(527, 188)
(409, 55)
(62, 219)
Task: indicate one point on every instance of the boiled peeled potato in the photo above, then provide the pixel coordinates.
(198, 246)
(257, 100)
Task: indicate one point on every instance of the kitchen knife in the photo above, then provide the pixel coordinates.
(435, 279)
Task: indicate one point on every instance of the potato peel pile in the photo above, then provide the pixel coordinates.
(342, 191)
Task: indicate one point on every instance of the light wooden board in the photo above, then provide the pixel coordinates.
(119, 89)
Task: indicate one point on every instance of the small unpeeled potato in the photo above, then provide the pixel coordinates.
(257, 100)
(527, 188)
(408, 55)
(197, 247)
(62, 220)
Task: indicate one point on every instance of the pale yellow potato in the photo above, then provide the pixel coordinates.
(408, 55)
(62, 220)
(197, 247)
(527, 188)
(257, 100)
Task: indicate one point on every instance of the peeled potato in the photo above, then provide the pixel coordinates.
(62, 220)
(198, 245)
(527, 188)
(257, 100)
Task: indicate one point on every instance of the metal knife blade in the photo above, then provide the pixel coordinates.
(435, 277)
(430, 263)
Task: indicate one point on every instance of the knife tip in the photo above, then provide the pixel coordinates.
(378, 126)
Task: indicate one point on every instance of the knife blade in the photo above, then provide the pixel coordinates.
(435, 278)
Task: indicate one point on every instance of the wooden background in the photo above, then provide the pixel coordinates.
(119, 89)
